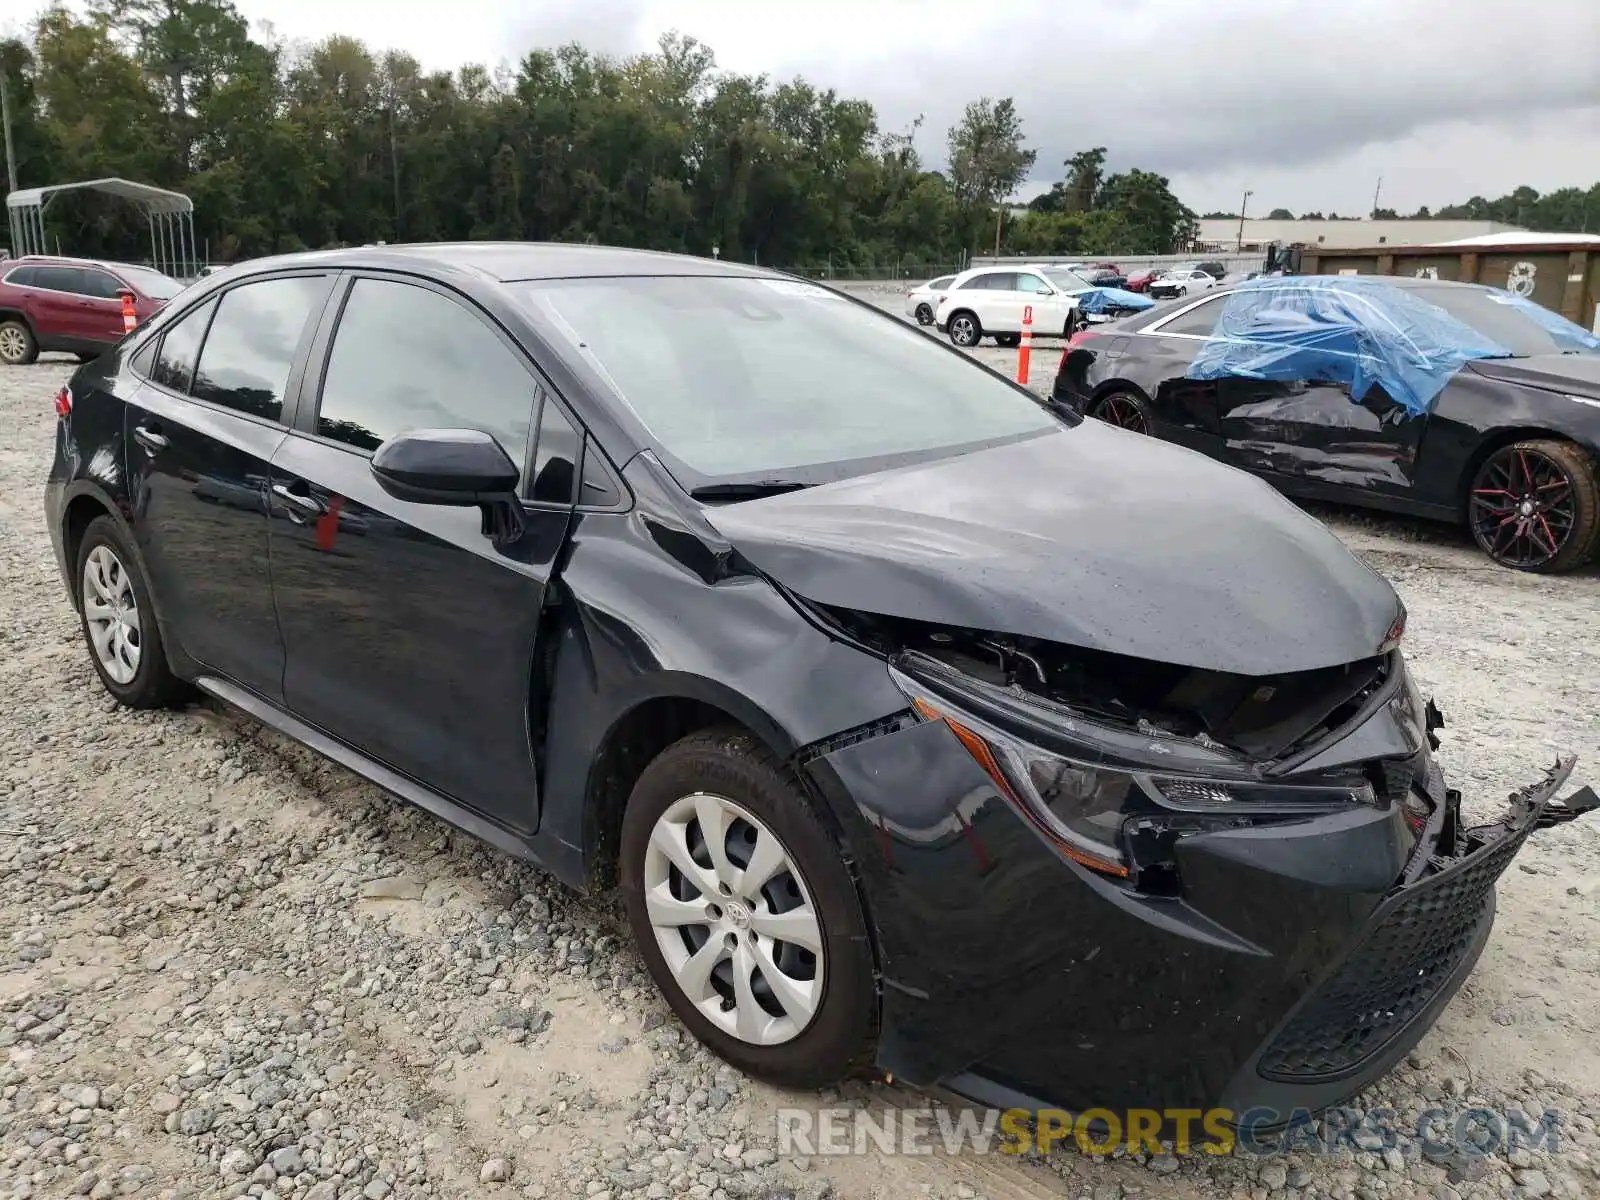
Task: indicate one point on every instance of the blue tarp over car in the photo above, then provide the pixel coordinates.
(1350, 330)
(1105, 299)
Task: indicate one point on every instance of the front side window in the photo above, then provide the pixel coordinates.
(251, 347)
(405, 357)
(101, 286)
(180, 346)
(1033, 284)
(738, 378)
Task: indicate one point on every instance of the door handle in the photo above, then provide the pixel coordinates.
(151, 438)
(308, 505)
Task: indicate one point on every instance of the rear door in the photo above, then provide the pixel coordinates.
(56, 309)
(409, 634)
(1163, 354)
(199, 435)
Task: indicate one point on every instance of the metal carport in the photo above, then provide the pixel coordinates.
(169, 214)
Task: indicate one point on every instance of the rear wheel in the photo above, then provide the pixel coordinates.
(1008, 340)
(1124, 409)
(17, 347)
(119, 624)
(745, 913)
(924, 315)
(1535, 506)
(965, 329)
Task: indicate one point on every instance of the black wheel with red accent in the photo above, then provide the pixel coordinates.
(1535, 506)
(1124, 409)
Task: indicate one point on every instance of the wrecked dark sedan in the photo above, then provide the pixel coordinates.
(920, 727)
(1451, 401)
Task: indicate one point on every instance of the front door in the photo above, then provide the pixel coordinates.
(200, 434)
(102, 305)
(409, 633)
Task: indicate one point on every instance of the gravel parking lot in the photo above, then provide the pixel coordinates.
(232, 968)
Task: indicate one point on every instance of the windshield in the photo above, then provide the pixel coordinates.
(1521, 326)
(1067, 281)
(747, 378)
(152, 283)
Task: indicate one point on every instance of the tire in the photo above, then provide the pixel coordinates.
(924, 315)
(965, 329)
(731, 776)
(149, 682)
(1528, 497)
(17, 345)
(1008, 340)
(1123, 408)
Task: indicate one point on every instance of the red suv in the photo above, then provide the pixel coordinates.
(72, 304)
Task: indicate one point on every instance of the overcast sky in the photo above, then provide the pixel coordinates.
(1306, 105)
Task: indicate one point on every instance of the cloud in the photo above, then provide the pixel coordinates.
(1305, 104)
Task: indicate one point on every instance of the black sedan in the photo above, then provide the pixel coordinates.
(1508, 446)
(888, 697)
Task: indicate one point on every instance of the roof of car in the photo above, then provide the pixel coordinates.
(509, 262)
(56, 260)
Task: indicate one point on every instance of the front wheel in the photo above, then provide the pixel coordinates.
(745, 913)
(965, 331)
(1535, 506)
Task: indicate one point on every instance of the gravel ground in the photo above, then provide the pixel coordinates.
(232, 968)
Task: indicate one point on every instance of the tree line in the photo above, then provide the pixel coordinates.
(284, 147)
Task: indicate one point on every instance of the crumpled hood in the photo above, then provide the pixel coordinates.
(1575, 374)
(1089, 536)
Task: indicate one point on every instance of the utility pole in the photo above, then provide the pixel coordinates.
(1376, 192)
(999, 215)
(5, 119)
(394, 166)
(1243, 204)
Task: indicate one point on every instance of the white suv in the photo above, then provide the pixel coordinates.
(989, 301)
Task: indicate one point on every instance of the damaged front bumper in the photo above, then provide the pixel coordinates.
(1294, 963)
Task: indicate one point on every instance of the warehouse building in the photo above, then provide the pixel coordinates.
(1258, 233)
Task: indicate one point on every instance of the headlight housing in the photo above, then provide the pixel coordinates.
(1111, 798)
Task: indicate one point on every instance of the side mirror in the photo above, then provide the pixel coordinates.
(445, 466)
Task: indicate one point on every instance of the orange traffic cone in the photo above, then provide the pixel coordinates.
(129, 319)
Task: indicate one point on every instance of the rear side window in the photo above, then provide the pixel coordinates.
(1198, 321)
(251, 347)
(24, 277)
(405, 357)
(180, 346)
(59, 279)
(939, 285)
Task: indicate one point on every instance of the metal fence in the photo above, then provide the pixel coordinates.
(1238, 265)
(875, 272)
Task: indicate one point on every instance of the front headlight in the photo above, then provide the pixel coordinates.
(1110, 797)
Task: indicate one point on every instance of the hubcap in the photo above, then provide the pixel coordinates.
(734, 919)
(1522, 507)
(963, 329)
(112, 614)
(12, 344)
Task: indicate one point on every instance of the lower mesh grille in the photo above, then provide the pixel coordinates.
(1420, 936)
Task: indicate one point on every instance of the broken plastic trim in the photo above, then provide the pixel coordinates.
(1088, 787)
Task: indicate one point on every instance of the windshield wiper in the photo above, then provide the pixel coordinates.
(753, 489)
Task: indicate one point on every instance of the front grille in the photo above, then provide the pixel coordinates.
(1418, 938)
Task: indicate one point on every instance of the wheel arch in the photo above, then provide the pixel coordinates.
(1498, 439)
(83, 503)
(671, 707)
